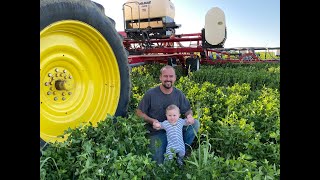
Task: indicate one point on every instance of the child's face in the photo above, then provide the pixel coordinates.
(173, 116)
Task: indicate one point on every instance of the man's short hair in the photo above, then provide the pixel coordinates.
(167, 67)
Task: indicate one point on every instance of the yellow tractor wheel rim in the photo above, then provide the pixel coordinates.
(79, 78)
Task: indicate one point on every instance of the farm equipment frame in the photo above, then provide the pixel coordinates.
(165, 50)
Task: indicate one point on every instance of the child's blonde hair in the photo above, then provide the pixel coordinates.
(173, 106)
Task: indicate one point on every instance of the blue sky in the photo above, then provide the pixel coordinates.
(250, 23)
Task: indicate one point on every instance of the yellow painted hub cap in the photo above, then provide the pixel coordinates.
(79, 78)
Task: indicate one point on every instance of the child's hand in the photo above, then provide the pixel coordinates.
(156, 125)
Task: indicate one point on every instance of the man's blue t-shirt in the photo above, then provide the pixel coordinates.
(155, 102)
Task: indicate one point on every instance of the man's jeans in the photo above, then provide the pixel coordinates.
(158, 141)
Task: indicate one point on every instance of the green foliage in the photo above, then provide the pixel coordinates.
(264, 111)
(238, 106)
(257, 75)
(116, 147)
(141, 82)
(200, 164)
(217, 106)
(230, 134)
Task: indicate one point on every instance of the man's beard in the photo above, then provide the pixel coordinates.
(167, 86)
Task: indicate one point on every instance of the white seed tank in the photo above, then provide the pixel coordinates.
(215, 26)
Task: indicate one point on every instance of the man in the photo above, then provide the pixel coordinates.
(192, 62)
(152, 108)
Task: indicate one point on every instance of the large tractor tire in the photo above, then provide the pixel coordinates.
(84, 70)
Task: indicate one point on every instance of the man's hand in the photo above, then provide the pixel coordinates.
(156, 125)
(190, 119)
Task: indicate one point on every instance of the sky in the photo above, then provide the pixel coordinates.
(249, 23)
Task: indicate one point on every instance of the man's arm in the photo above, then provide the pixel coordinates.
(189, 116)
(145, 117)
(188, 112)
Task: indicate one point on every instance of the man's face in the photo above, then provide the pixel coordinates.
(167, 78)
(172, 116)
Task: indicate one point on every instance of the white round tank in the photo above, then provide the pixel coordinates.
(215, 26)
(148, 9)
